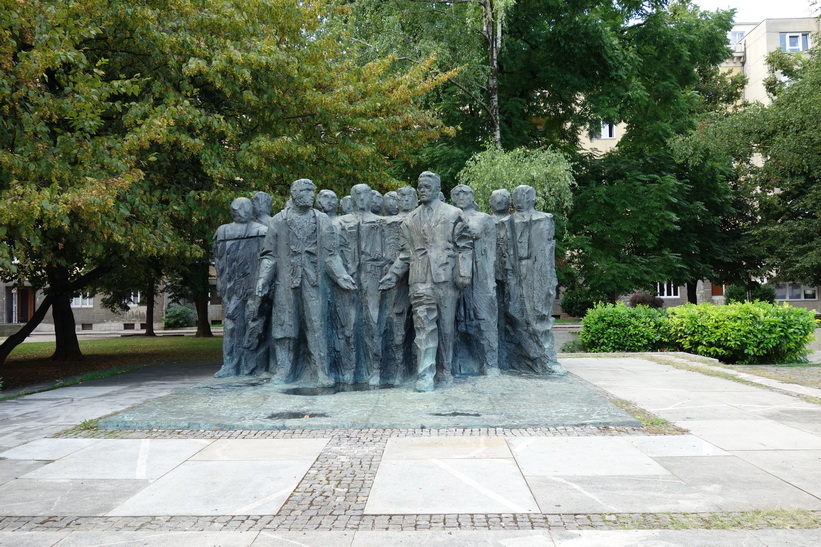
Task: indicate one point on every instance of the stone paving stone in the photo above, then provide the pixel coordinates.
(47, 449)
(28, 497)
(759, 434)
(268, 538)
(13, 469)
(454, 538)
(801, 468)
(581, 456)
(262, 449)
(449, 486)
(177, 539)
(675, 445)
(218, 488)
(122, 459)
(688, 538)
(446, 448)
(31, 539)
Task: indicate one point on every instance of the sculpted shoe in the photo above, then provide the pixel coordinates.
(557, 369)
(224, 373)
(493, 372)
(423, 387)
(374, 379)
(323, 380)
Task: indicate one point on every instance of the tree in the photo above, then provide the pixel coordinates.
(127, 129)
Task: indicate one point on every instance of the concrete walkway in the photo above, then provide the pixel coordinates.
(747, 469)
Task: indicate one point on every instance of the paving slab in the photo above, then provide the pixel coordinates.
(169, 539)
(31, 539)
(547, 456)
(658, 538)
(449, 486)
(14, 469)
(28, 497)
(406, 448)
(218, 488)
(122, 459)
(760, 434)
(535, 538)
(675, 445)
(801, 468)
(47, 449)
(268, 538)
(791, 538)
(616, 494)
(262, 449)
(517, 401)
(735, 485)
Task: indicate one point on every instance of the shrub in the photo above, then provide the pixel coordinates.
(620, 328)
(577, 300)
(742, 332)
(738, 293)
(177, 316)
(646, 299)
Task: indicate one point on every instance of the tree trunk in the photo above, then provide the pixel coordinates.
(18, 337)
(493, 35)
(203, 325)
(692, 296)
(65, 331)
(151, 292)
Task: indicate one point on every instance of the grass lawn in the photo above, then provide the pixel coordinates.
(31, 364)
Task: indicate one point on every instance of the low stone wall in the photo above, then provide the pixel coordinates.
(7, 329)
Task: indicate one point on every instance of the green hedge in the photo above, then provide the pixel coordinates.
(742, 332)
(609, 327)
(177, 316)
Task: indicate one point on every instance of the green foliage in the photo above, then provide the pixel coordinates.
(756, 291)
(546, 170)
(614, 328)
(578, 299)
(742, 332)
(177, 316)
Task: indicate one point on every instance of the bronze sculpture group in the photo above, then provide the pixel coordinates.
(392, 290)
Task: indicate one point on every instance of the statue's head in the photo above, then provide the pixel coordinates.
(390, 203)
(462, 197)
(302, 193)
(361, 197)
(524, 198)
(241, 210)
(346, 205)
(429, 186)
(261, 202)
(500, 202)
(326, 201)
(407, 199)
(376, 202)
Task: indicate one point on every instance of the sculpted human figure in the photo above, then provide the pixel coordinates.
(476, 316)
(533, 291)
(500, 207)
(345, 205)
(362, 232)
(376, 202)
(327, 202)
(262, 207)
(397, 305)
(298, 256)
(390, 204)
(436, 251)
(236, 256)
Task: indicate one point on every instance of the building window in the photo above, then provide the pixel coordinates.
(82, 301)
(793, 42)
(735, 37)
(794, 291)
(135, 298)
(667, 290)
(608, 131)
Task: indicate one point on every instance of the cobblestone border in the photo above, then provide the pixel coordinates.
(397, 523)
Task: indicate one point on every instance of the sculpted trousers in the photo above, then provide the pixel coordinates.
(308, 308)
(434, 319)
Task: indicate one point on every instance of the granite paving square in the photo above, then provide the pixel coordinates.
(735, 485)
(14, 469)
(617, 494)
(760, 434)
(219, 488)
(545, 456)
(26, 497)
(449, 486)
(658, 538)
(47, 449)
(268, 538)
(801, 468)
(262, 449)
(675, 445)
(122, 459)
(169, 539)
(446, 447)
(31, 539)
(456, 538)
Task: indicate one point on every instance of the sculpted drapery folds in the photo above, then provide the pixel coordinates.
(334, 294)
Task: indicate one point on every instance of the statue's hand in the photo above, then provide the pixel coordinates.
(347, 283)
(261, 290)
(388, 281)
(462, 281)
